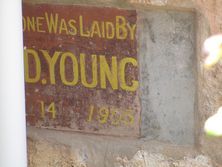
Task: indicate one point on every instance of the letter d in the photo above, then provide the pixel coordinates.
(34, 54)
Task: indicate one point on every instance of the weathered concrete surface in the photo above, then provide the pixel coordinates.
(167, 69)
(58, 149)
(143, 159)
(210, 90)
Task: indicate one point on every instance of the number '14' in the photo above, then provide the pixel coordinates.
(50, 109)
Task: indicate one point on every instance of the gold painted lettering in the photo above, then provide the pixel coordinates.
(31, 24)
(110, 30)
(73, 30)
(87, 33)
(131, 30)
(106, 72)
(121, 30)
(39, 23)
(52, 22)
(23, 24)
(63, 27)
(28, 53)
(122, 74)
(103, 29)
(83, 71)
(51, 60)
(63, 70)
(95, 29)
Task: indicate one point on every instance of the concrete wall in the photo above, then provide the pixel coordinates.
(178, 94)
(167, 70)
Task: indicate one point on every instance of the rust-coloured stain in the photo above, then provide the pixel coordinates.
(81, 69)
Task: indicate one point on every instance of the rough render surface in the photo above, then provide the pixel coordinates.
(208, 22)
(167, 65)
(58, 149)
(41, 154)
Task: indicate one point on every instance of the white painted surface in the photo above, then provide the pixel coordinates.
(12, 101)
